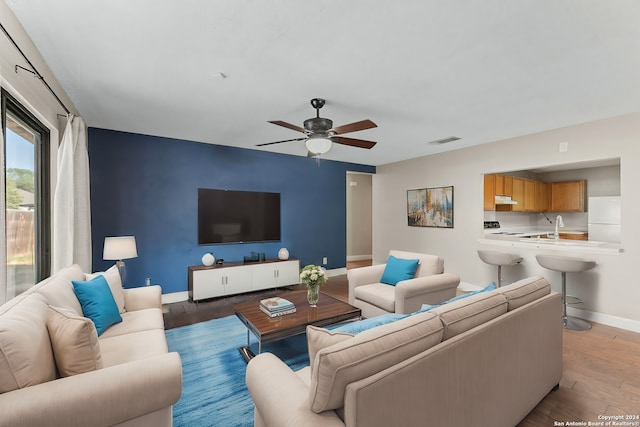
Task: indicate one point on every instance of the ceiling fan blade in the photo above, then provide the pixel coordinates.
(360, 143)
(352, 127)
(288, 125)
(278, 142)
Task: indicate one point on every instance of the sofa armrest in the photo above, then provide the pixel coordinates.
(411, 294)
(281, 397)
(99, 398)
(143, 298)
(363, 276)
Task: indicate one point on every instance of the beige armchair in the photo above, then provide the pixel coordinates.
(430, 285)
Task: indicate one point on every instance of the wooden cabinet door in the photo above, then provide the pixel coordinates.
(489, 192)
(499, 185)
(529, 195)
(508, 186)
(567, 196)
(518, 194)
(542, 196)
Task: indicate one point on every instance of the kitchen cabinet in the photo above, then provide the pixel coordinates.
(518, 194)
(497, 185)
(504, 185)
(574, 236)
(529, 195)
(567, 196)
(524, 192)
(541, 196)
(489, 192)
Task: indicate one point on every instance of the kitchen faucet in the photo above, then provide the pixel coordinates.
(559, 223)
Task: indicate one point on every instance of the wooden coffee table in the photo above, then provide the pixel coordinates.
(267, 329)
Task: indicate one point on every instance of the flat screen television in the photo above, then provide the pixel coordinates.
(228, 216)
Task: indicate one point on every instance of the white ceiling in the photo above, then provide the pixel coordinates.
(421, 69)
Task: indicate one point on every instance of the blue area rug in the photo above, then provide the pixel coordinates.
(213, 385)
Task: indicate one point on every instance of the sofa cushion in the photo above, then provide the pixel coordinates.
(134, 346)
(398, 269)
(58, 290)
(115, 284)
(74, 341)
(524, 291)
(377, 294)
(462, 315)
(97, 302)
(319, 338)
(25, 349)
(367, 353)
(136, 321)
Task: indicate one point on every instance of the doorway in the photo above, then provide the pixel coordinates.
(359, 219)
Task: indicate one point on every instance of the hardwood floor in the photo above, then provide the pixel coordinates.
(601, 371)
(601, 376)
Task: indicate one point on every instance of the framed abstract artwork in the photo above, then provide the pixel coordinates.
(430, 207)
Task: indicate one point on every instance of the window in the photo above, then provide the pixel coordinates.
(27, 197)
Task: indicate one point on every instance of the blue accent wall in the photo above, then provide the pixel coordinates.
(147, 186)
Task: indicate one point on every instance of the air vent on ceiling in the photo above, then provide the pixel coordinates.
(444, 140)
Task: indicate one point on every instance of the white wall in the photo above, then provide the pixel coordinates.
(611, 292)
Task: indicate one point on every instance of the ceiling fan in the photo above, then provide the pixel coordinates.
(320, 133)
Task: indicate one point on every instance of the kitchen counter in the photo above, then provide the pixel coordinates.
(562, 245)
(515, 233)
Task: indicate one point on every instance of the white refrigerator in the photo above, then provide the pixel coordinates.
(604, 219)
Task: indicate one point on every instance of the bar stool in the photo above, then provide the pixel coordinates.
(565, 264)
(499, 259)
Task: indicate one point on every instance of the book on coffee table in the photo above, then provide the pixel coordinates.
(278, 312)
(276, 304)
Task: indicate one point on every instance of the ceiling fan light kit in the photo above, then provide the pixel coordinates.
(318, 145)
(320, 133)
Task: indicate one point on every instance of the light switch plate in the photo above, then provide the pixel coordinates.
(563, 147)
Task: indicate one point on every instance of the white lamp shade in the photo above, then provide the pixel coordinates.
(318, 145)
(117, 248)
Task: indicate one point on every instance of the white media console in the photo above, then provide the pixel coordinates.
(239, 277)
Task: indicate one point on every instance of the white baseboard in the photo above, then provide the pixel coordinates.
(605, 319)
(359, 257)
(175, 297)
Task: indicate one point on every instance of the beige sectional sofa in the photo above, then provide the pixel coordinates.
(484, 360)
(56, 371)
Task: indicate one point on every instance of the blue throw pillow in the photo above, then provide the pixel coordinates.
(97, 302)
(426, 307)
(362, 325)
(399, 269)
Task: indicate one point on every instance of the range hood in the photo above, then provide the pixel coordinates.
(505, 200)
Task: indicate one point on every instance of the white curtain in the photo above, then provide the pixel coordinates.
(71, 201)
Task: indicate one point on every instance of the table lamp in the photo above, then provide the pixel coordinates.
(118, 249)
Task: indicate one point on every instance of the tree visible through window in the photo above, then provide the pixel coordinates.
(26, 192)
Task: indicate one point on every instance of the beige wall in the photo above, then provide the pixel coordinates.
(359, 188)
(610, 292)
